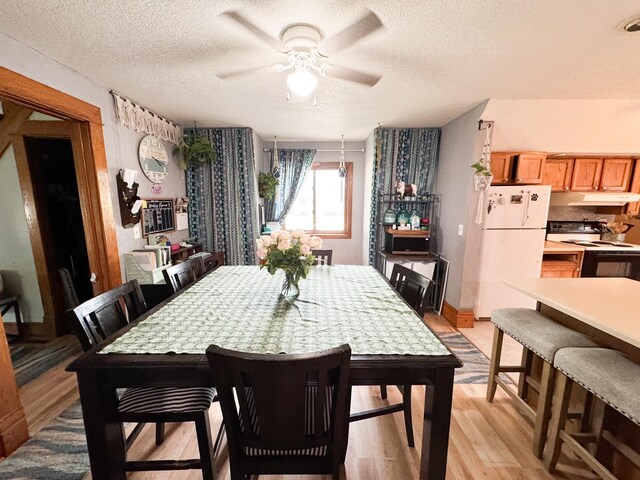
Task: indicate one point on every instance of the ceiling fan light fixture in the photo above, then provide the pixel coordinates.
(302, 82)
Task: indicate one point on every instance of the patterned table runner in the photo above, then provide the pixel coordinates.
(239, 308)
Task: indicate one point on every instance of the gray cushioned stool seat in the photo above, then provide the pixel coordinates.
(608, 374)
(537, 332)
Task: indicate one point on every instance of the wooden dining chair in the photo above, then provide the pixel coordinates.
(323, 257)
(184, 273)
(102, 316)
(413, 288)
(291, 411)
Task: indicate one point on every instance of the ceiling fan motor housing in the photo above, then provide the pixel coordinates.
(300, 36)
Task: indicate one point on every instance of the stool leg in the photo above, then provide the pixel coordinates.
(561, 398)
(494, 368)
(527, 362)
(159, 433)
(544, 408)
(205, 446)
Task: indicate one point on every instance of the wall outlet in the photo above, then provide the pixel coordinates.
(460, 229)
(136, 231)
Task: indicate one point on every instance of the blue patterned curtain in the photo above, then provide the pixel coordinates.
(294, 165)
(223, 196)
(401, 154)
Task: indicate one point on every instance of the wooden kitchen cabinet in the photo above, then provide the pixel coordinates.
(558, 174)
(561, 265)
(635, 187)
(501, 164)
(616, 174)
(529, 167)
(586, 174)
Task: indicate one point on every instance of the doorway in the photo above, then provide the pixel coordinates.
(55, 188)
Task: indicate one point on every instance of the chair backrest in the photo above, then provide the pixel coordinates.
(411, 286)
(184, 273)
(282, 399)
(323, 257)
(69, 289)
(97, 318)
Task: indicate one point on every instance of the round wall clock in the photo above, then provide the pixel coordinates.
(153, 158)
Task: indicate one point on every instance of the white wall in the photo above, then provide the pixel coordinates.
(460, 146)
(571, 126)
(121, 144)
(369, 158)
(345, 251)
(16, 258)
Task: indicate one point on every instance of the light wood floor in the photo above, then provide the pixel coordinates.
(488, 441)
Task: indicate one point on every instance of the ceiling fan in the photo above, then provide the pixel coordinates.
(308, 52)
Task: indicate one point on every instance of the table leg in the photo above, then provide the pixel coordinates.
(103, 429)
(437, 419)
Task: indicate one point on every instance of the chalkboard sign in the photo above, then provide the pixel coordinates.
(158, 216)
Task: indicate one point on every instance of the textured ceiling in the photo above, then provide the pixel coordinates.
(437, 58)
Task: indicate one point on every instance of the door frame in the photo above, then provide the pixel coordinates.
(91, 165)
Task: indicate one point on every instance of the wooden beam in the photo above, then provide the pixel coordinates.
(14, 117)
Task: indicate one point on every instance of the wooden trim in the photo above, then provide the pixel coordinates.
(104, 255)
(42, 98)
(458, 318)
(13, 424)
(13, 118)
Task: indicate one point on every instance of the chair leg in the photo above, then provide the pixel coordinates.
(544, 409)
(558, 419)
(383, 392)
(205, 446)
(527, 363)
(494, 368)
(218, 442)
(408, 422)
(335, 474)
(159, 433)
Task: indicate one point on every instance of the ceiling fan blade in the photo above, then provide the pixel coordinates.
(242, 72)
(351, 35)
(351, 75)
(256, 31)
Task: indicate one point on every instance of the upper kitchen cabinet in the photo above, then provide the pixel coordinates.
(511, 168)
(558, 173)
(608, 175)
(616, 174)
(586, 174)
(635, 187)
(501, 165)
(529, 167)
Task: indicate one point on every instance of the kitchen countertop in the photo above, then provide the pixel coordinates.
(607, 304)
(559, 247)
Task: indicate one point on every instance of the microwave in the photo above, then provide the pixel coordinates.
(409, 242)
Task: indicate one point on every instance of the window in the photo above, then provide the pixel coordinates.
(323, 205)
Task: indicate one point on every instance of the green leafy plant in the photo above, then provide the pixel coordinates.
(481, 169)
(194, 150)
(267, 184)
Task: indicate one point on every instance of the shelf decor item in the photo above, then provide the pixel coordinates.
(290, 252)
(389, 216)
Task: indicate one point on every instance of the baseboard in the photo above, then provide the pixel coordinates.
(458, 318)
(38, 331)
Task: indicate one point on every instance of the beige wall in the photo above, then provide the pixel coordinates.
(17, 265)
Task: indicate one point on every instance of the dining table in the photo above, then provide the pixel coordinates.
(240, 308)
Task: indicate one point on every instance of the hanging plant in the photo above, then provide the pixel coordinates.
(267, 184)
(194, 150)
(483, 176)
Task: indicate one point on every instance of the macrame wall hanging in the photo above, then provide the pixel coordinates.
(142, 120)
(483, 176)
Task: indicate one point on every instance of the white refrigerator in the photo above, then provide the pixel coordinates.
(513, 234)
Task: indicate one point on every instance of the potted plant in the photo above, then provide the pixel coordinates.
(267, 184)
(482, 177)
(194, 150)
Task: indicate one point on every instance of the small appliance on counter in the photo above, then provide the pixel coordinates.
(602, 258)
(512, 244)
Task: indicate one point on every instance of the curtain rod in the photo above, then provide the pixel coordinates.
(318, 150)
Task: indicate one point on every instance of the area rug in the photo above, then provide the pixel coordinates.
(57, 452)
(31, 360)
(476, 364)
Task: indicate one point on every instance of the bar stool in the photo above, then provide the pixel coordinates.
(542, 337)
(610, 376)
